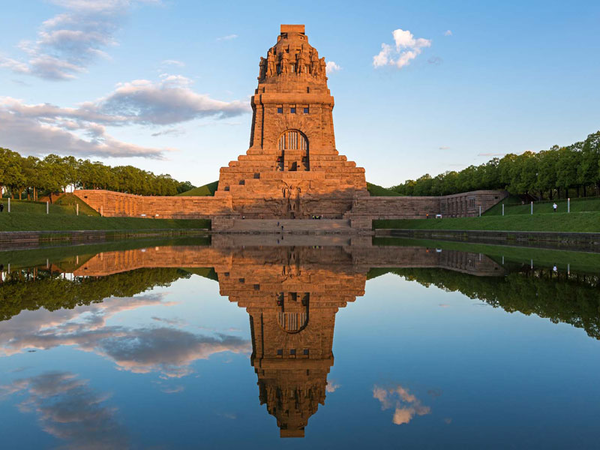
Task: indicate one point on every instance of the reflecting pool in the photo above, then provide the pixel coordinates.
(231, 343)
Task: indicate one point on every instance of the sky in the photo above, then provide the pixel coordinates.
(420, 87)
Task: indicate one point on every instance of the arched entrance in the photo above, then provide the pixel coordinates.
(293, 151)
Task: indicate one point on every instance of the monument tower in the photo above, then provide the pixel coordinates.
(292, 168)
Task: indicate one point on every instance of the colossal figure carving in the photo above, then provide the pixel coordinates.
(292, 143)
(263, 68)
(271, 66)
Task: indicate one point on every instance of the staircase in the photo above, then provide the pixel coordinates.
(291, 226)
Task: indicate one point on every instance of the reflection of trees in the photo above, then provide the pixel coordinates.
(573, 299)
(22, 291)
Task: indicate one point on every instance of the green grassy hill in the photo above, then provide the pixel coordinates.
(574, 222)
(514, 206)
(378, 191)
(65, 205)
(31, 216)
(202, 191)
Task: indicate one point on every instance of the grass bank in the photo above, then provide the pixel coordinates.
(37, 222)
(31, 216)
(513, 206)
(560, 222)
(208, 190)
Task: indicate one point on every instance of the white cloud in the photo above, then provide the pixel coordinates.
(44, 128)
(406, 49)
(492, 154)
(332, 67)
(444, 147)
(34, 137)
(405, 404)
(448, 33)
(228, 37)
(69, 42)
(172, 62)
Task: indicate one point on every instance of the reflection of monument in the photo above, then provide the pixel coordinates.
(292, 295)
(292, 316)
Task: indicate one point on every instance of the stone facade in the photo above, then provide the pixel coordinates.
(292, 169)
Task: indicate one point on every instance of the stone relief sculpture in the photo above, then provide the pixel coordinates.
(314, 63)
(271, 69)
(285, 62)
(322, 68)
(262, 68)
(301, 61)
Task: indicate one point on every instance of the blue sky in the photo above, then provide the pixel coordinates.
(165, 84)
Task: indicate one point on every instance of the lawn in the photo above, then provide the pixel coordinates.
(31, 216)
(207, 190)
(573, 222)
(589, 204)
(63, 222)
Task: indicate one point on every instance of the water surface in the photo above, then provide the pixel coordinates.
(231, 345)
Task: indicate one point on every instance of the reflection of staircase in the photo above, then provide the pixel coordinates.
(296, 226)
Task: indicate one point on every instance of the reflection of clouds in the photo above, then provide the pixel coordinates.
(167, 350)
(332, 386)
(70, 410)
(406, 405)
(140, 350)
(176, 322)
(42, 322)
(172, 390)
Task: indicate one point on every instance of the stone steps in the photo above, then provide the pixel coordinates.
(300, 226)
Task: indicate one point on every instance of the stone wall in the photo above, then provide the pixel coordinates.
(360, 211)
(116, 204)
(366, 209)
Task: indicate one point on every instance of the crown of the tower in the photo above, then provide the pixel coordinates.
(292, 59)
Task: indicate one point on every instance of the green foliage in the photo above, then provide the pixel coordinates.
(550, 173)
(379, 191)
(55, 174)
(574, 222)
(208, 190)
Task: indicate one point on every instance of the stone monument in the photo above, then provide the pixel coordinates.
(292, 169)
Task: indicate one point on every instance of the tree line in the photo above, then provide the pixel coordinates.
(554, 173)
(31, 177)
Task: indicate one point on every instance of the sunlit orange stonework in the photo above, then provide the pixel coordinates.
(292, 170)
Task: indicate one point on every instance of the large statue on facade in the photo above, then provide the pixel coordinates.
(301, 64)
(262, 68)
(271, 64)
(285, 62)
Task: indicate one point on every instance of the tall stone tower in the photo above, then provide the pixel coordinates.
(292, 168)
